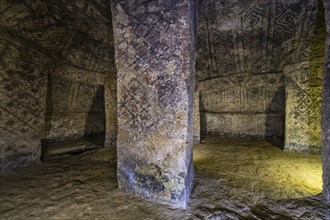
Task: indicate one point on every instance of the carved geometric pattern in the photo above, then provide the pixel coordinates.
(59, 98)
(326, 113)
(54, 29)
(86, 95)
(257, 125)
(27, 119)
(303, 110)
(135, 108)
(252, 36)
(72, 43)
(243, 93)
(39, 40)
(70, 96)
(315, 112)
(304, 118)
(79, 75)
(244, 105)
(22, 91)
(110, 99)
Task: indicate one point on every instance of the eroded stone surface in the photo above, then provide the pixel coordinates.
(154, 43)
(23, 89)
(233, 181)
(69, 42)
(303, 84)
(303, 109)
(75, 107)
(110, 94)
(197, 117)
(242, 48)
(326, 111)
(243, 105)
(252, 36)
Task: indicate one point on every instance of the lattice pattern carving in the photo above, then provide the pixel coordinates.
(303, 110)
(243, 105)
(41, 38)
(252, 36)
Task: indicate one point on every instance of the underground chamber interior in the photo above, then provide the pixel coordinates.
(101, 92)
(75, 117)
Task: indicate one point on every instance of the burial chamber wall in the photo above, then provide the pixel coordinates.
(55, 55)
(242, 49)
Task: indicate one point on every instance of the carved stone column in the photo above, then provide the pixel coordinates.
(154, 48)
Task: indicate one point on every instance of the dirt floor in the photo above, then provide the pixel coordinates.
(233, 180)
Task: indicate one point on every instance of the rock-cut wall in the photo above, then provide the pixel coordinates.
(242, 49)
(241, 106)
(75, 106)
(54, 52)
(252, 36)
(155, 48)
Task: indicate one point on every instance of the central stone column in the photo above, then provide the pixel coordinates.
(154, 50)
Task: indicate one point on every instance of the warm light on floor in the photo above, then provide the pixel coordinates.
(261, 167)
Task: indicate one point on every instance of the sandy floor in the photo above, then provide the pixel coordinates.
(233, 180)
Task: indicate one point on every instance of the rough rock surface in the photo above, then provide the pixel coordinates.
(75, 107)
(110, 98)
(234, 180)
(71, 44)
(197, 117)
(155, 47)
(302, 109)
(243, 105)
(23, 89)
(326, 112)
(242, 46)
(252, 36)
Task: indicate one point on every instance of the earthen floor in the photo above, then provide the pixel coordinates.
(233, 180)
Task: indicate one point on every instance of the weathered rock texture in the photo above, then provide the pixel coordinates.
(326, 111)
(252, 36)
(197, 122)
(154, 43)
(69, 43)
(110, 94)
(303, 83)
(233, 181)
(75, 107)
(242, 47)
(23, 88)
(303, 109)
(23, 80)
(243, 106)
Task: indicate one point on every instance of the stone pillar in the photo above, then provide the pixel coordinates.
(154, 51)
(326, 111)
(110, 94)
(303, 109)
(197, 119)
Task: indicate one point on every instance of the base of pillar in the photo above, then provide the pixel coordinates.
(153, 184)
